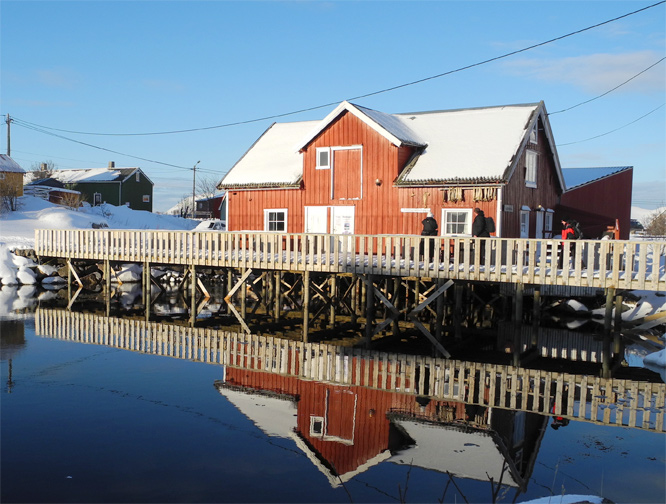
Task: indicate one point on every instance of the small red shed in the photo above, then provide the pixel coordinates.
(361, 171)
(597, 198)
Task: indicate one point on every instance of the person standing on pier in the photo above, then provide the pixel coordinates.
(430, 228)
(480, 230)
(570, 231)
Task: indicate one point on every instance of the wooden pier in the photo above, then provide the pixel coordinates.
(606, 401)
(598, 264)
(381, 281)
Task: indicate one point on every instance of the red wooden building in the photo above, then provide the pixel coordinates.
(361, 171)
(596, 198)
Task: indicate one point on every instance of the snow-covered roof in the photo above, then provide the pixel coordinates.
(272, 160)
(476, 145)
(389, 126)
(574, 177)
(94, 175)
(463, 453)
(468, 144)
(7, 164)
(275, 416)
(46, 182)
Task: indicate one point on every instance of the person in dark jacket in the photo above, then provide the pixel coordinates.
(479, 225)
(480, 230)
(430, 228)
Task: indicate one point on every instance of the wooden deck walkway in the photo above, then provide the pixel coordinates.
(617, 402)
(589, 263)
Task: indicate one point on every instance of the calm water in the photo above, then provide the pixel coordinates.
(92, 423)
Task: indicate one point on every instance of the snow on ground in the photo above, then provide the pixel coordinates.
(17, 230)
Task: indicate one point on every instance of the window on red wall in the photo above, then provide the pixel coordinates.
(275, 220)
(323, 158)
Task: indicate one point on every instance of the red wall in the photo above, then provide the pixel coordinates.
(597, 204)
(363, 416)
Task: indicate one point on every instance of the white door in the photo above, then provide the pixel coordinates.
(342, 223)
(316, 219)
(342, 218)
(524, 223)
(539, 225)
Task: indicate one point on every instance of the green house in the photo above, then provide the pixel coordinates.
(116, 186)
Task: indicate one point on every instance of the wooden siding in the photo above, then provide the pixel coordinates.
(133, 192)
(597, 204)
(118, 193)
(246, 208)
(437, 199)
(546, 195)
(11, 184)
(109, 191)
(375, 210)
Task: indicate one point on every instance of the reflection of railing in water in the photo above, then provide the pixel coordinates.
(586, 263)
(554, 343)
(589, 398)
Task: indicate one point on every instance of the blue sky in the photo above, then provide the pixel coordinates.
(162, 66)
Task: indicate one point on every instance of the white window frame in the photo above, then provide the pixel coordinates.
(531, 168)
(468, 221)
(317, 421)
(267, 222)
(548, 224)
(534, 134)
(320, 150)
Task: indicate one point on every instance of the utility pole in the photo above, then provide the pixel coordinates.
(194, 185)
(9, 136)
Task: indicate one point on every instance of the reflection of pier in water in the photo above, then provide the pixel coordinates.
(608, 401)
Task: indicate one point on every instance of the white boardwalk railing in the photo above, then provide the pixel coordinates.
(610, 401)
(583, 263)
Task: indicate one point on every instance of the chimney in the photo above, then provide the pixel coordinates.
(112, 164)
(42, 167)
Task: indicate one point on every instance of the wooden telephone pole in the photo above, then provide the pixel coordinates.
(9, 136)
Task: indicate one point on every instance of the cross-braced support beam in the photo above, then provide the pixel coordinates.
(229, 296)
(394, 313)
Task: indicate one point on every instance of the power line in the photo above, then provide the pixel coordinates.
(610, 90)
(109, 150)
(43, 129)
(374, 93)
(616, 129)
(40, 130)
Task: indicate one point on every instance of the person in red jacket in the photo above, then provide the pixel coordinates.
(569, 232)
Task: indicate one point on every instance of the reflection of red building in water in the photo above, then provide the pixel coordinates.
(344, 430)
